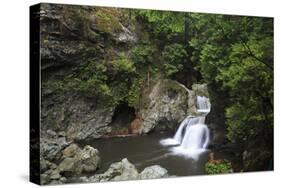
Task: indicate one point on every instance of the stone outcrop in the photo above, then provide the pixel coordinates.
(51, 144)
(169, 102)
(93, 125)
(74, 160)
(77, 160)
(118, 171)
(154, 172)
(79, 117)
(124, 170)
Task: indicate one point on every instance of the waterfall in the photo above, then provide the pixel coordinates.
(196, 137)
(192, 136)
(203, 104)
(186, 123)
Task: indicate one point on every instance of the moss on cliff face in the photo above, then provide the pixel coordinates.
(105, 57)
(107, 20)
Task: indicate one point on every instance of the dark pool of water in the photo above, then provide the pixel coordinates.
(145, 151)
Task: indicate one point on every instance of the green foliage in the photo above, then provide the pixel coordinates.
(174, 56)
(163, 21)
(107, 20)
(94, 87)
(133, 98)
(123, 65)
(222, 167)
(110, 82)
(236, 56)
(143, 54)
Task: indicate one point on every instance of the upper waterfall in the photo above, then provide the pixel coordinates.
(203, 104)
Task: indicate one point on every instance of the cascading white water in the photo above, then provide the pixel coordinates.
(196, 137)
(203, 104)
(192, 135)
(184, 125)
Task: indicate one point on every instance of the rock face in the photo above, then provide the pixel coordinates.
(65, 42)
(51, 145)
(65, 47)
(95, 126)
(169, 102)
(124, 170)
(79, 117)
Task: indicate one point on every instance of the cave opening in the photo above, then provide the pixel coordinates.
(122, 117)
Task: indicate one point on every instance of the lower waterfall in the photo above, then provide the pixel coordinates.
(192, 137)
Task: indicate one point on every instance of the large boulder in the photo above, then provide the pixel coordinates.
(71, 151)
(153, 172)
(168, 103)
(70, 165)
(90, 159)
(124, 170)
(77, 160)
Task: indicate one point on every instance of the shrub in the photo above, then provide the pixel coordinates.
(218, 167)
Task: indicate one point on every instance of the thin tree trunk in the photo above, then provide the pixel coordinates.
(148, 76)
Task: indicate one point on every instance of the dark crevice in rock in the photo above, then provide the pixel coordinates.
(122, 119)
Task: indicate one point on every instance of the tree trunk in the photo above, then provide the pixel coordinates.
(148, 76)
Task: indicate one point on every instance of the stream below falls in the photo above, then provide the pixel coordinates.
(143, 151)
